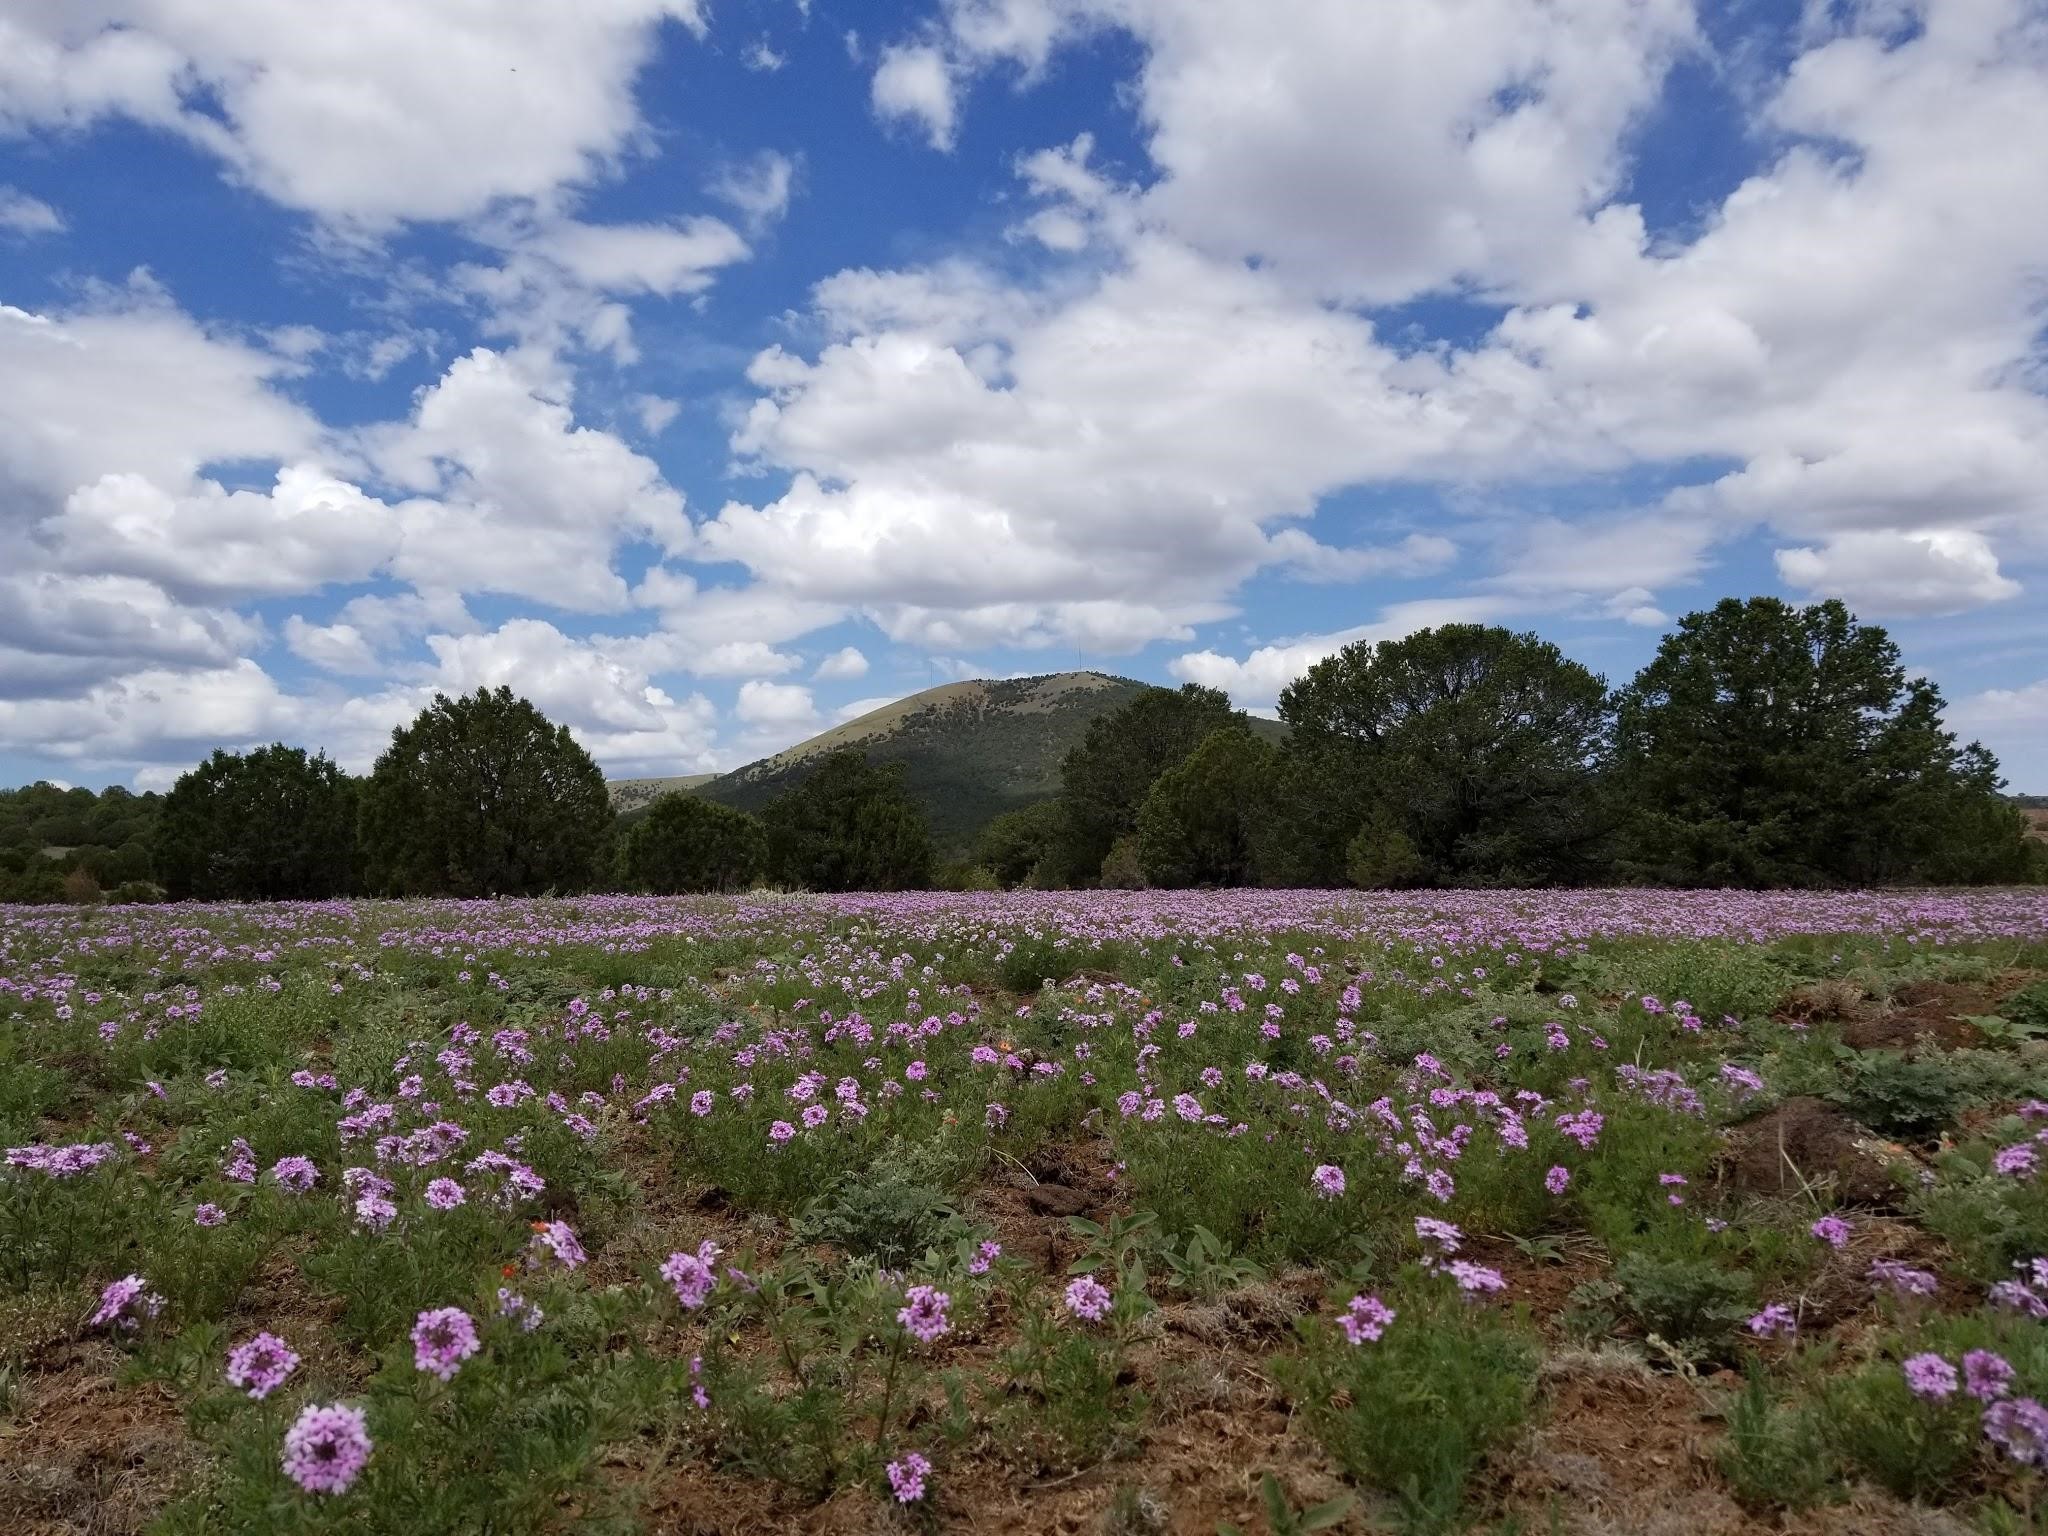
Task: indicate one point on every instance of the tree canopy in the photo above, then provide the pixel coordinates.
(1773, 745)
(684, 843)
(849, 826)
(1466, 754)
(1105, 779)
(268, 825)
(1200, 822)
(483, 796)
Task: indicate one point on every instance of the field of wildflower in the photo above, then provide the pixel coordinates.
(1116, 1212)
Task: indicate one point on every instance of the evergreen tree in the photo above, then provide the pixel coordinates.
(849, 826)
(1773, 745)
(1462, 755)
(483, 796)
(1105, 779)
(1199, 823)
(684, 843)
(1016, 846)
(268, 825)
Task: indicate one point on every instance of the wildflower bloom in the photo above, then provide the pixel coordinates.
(297, 1174)
(511, 1304)
(781, 1131)
(692, 1275)
(985, 1256)
(1473, 1279)
(1831, 1230)
(1929, 1376)
(2019, 1427)
(559, 1239)
(1443, 1234)
(442, 1338)
(924, 1313)
(907, 1477)
(1364, 1319)
(327, 1448)
(2020, 1162)
(208, 1215)
(261, 1365)
(1088, 1299)
(445, 1194)
(1556, 1180)
(1986, 1376)
(1903, 1280)
(125, 1303)
(1775, 1321)
(1328, 1180)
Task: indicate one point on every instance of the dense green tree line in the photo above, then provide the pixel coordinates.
(1763, 745)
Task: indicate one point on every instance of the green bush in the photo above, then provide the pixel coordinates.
(1417, 1412)
(1691, 1302)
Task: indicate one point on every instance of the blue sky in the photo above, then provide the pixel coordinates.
(708, 370)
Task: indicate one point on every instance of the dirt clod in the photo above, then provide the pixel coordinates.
(1804, 1141)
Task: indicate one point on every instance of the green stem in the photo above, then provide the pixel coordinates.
(888, 1393)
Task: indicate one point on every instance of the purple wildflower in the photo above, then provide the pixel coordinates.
(1556, 1180)
(907, 1478)
(1986, 1376)
(1474, 1279)
(261, 1365)
(1088, 1299)
(924, 1313)
(559, 1239)
(2019, 1427)
(442, 1338)
(445, 1194)
(326, 1448)
(297, 1174)
(1831, 1230)
(1929, 1376)
(208, 1215)
(125, 1303)
(1328, 1180)
(1775, 1321)
(1903, 1280)
(1364, 1319)
(692, 1275)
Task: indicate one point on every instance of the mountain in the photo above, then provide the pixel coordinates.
(637, 794)
(970, 751)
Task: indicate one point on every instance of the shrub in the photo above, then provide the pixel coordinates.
(1686, 1301)
(1415, 1413)
(1775, 1456)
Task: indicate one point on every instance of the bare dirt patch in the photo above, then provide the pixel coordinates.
(1804, 1143)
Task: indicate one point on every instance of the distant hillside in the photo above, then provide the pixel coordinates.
(637, 794)
(970, 750)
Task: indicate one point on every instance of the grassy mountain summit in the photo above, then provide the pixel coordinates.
(970, 751)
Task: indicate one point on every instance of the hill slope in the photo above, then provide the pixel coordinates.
(637, 794)
(970, 750)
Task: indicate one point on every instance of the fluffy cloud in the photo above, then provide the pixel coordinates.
(129, 384)
(372, 112)
(775, 704)
(913, 81)
(21, 214)
(1938, 571)
(843, 663)
(759, 187)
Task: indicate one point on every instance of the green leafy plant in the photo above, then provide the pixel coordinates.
(1283, 1519)
(1688, 1301)
(1416, 1412)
